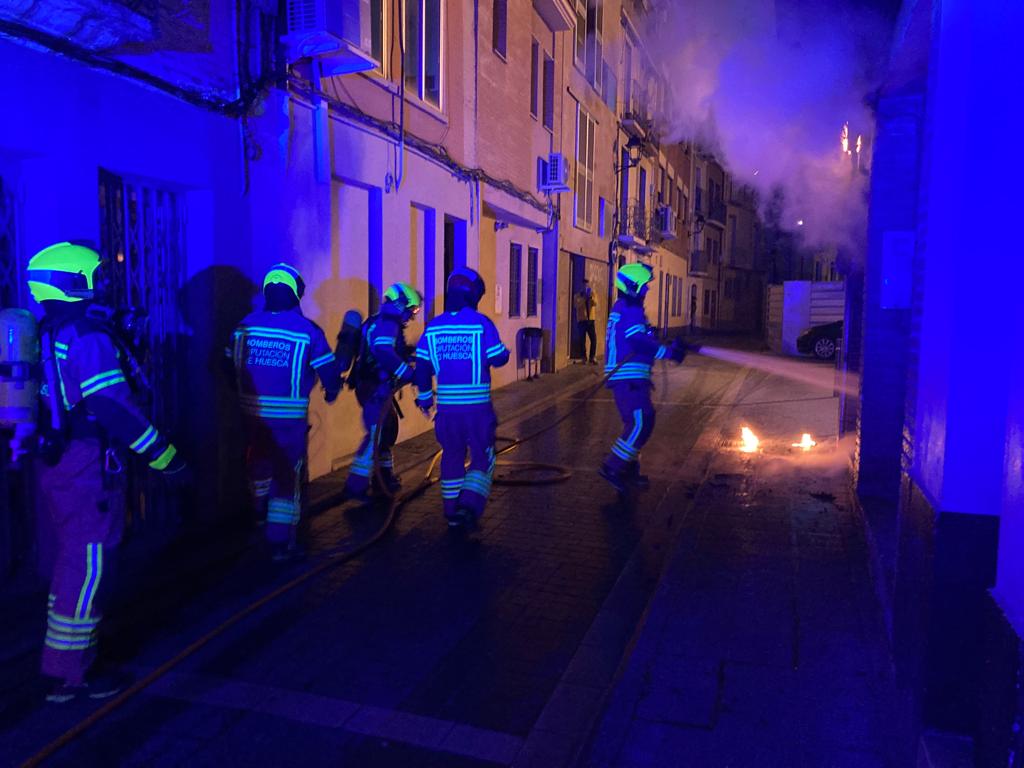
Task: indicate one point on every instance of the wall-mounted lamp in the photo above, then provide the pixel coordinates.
(635, 148)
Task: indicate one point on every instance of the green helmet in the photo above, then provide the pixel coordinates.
(63, 272)
(288, 275)
(405, 296)
(631, 278)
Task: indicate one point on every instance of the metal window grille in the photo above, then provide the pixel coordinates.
(532, 257)
(142, 235)
(10, 268)
(515, 279)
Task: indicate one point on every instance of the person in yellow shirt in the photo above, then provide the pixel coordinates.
(586, 313)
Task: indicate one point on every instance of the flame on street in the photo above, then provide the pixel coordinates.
(805, 443)
(750, 442)
(844, 138)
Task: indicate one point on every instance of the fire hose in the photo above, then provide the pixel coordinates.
(552, 473)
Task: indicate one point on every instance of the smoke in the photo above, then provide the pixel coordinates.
(766, 86)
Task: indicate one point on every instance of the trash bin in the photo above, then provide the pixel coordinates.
(528, 347)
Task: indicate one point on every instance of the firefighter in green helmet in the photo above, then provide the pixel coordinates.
(90, 420)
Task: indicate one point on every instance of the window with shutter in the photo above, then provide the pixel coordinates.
(534, 85)
(499, 30)
(515, 279)
(532, 256)
(549, 93)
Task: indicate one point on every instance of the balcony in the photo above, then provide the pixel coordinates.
(635, 120)
(698, 263)
(635, 229)
(559, 15)
(716, 213)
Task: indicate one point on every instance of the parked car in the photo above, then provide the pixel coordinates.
(822, 341)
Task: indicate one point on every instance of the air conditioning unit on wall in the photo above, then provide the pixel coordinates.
(555, 174)
(665, 222)
(335, 32)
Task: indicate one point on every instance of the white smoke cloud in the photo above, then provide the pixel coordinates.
(767, 88)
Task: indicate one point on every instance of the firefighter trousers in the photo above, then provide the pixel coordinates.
(85, 497)
(633, 399)
(275, 458)
(379, 415)
(462, 428)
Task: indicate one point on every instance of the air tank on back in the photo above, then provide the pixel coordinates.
(19, 357)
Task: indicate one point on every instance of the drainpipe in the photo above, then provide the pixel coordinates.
(321, 130)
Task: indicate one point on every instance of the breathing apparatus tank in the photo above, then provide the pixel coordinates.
(19, 361)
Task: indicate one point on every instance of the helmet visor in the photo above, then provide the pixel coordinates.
(71, 284)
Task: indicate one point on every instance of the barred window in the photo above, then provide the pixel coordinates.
(515, 280)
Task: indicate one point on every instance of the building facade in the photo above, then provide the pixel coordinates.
(208, 145)
(939, 452)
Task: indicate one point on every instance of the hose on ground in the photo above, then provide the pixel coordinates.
(555, 473)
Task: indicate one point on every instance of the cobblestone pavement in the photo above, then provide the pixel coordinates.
(431, 650)
(763, 644)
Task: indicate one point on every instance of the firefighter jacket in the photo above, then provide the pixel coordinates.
(382, 355)
(94, 389)
(632, 345)
(277, 358)
(460, 348)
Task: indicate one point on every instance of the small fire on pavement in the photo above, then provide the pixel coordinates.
(749, 442)
(806, 443)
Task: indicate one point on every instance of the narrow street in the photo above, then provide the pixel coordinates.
(431, 650)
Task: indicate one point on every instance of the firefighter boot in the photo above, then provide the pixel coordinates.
(615, 476)
(637, 480)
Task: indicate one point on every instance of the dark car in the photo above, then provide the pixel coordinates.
(822, 341)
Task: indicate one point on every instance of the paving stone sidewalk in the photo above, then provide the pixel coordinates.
(762, 645)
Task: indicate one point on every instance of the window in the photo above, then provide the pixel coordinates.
(627, 83)
(698, 192)
(588, 52)
(532, 256)
(641, 194)
(732, 239)
(707, 302)
(549, 93)
(610, 88)
(600, 216)
(584, 202)
(499, 28)
(515, 280)
(423, 49)
(662, 195)
(534, 72)
(817, 271)
(595, 42)
(377, 33)
(684, 202)
(728, 288)
(580, 48)
(10, 271)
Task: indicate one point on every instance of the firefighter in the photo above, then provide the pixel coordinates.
(278, 353)
(90, 418)
(380, 369)
(632, 349)
(460, 347)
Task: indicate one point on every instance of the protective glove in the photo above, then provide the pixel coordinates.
(178, 473)
(330, 395)
(677, 350)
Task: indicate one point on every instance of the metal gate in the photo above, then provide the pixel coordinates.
(142, 237)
